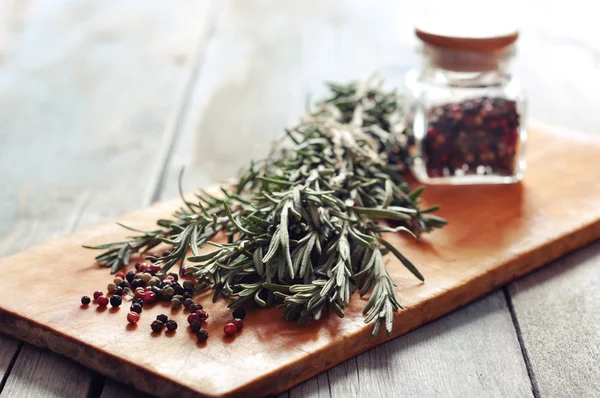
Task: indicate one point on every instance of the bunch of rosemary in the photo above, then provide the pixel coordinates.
(302, 225)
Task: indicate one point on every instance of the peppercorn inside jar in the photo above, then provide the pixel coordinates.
(467, 109)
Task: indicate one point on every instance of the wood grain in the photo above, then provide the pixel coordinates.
(73, 104)
(531, 224)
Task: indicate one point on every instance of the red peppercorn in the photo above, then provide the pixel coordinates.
(133, 317)
(149, 297)
(120, 275)
(97, 294)
(102, 301)
(193, 318)
(140, 294)
(203, 315)
(229, 329)
(239, 324)
(155, 268)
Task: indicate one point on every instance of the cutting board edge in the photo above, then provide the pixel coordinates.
(294, 373)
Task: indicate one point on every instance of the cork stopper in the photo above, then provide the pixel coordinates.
(468, 34)
(470, 44)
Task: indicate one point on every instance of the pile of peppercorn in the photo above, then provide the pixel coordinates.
(148, 285)
(476, 136)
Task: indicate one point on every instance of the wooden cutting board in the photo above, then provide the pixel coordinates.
(495, 234)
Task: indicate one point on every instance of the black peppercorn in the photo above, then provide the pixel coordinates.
(193, 308)
(174, 276)
(118, 291)
(187, 295)
(124, 284)
(115, 301)
(136, 307)
(163, 318)
(137, 266)
(130, 276)
(239, 313)
(85, 300)
(195, 327)
(157, 326)
(137, 282)
(166, 253)
(187, 302)
(202, 335)
(171, 325)
(188, 285)
(178, 288)
(155, 290)
(139, 301)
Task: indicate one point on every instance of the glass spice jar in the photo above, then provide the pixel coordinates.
(467, 109)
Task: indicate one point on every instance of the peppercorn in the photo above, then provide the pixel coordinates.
(139, 292)
(129, 276)
(178, 297)
(155, 290)
(163, 318)
(138, 300)
(195, 327)
(187, 295)
(193, 318)
(111, 287)
(229, 329)
(187, 302)
(168, 292)
(157, 326)
(137, 266)
(118, 291)
(203, 315)
(102, 301)
(188, 285)
(117, 281)
(85, 300)
(166, 253)
(133, 317)
(171, 325)
(239, 324)
(193, 308)
(116, 301)
(175, 303)
(154, 281)
(135, 307)
(149, 297)
(97, 294)
(120, 275)
(174, 276)
(178, 288)
(202, 335)
(137, 282)
(154, 268)
(146, 277)
(239, 312)
(124, 284)
(199, 307)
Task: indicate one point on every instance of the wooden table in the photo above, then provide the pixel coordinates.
(101, 103)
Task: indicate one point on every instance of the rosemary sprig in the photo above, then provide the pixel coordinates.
(304, 226)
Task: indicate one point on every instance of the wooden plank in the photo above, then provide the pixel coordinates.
(254, 92)
(117, 78)
(558, 323)
(39, 373)
(9, 347)
(114, 389)
(533, 224)
(448, 347)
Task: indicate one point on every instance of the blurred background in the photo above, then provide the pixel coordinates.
(102, 103)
